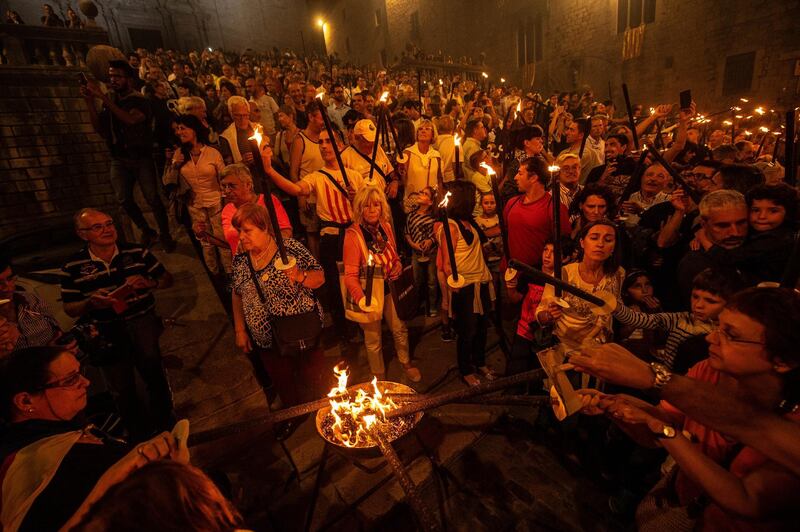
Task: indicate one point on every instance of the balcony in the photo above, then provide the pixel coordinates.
(23, 45)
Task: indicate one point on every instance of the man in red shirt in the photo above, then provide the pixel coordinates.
(529, 216)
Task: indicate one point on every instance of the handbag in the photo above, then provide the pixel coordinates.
(351, 309)
(404, 294)
(291, 335)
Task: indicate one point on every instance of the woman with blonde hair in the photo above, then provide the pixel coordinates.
(423, 166)
(371, 235)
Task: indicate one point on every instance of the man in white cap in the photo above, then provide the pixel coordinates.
(358, 157)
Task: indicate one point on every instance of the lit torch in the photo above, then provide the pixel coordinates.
(453, 280)
(457, 146)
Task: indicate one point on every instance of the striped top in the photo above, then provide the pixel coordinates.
(332, 204)
(85, 273)
(35, 321)
(680, 326)
(419, 227)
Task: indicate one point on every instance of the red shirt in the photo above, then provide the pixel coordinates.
(530, 226)
(229, 211)
(528, 313)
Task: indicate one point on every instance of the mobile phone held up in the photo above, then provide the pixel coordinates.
(686, 99)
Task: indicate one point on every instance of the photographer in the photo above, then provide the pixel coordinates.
(111, 284)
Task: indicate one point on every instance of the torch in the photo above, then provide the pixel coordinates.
(457, 146)
(285, 261)
(325, 118)
(366, 302)
(629, 108)
(603, 303)
(454, 280)
(555, 193)
(377, 142)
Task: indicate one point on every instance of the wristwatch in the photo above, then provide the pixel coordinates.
(661, 375)
(667, 432)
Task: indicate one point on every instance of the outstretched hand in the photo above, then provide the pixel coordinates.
(613, 363)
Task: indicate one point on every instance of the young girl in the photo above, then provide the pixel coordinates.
(637, 295)
(471, 303)
(419, 235)
(523, 357)
(490, 225)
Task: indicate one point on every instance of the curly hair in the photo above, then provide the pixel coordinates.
(364, 197)
(780, 194)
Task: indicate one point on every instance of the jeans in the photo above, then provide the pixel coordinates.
(125, 173)
(137, 349)
(471, 327)
(425, 274)
(212, 217)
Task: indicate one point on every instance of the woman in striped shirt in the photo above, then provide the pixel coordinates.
(371, 234)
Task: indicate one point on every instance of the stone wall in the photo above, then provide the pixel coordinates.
(685, 47)
(194, 24)
(51, 161)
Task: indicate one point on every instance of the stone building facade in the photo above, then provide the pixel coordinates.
(190, 24)
(723, 50)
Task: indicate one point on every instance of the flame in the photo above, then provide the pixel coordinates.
(256, 135)
(652, 110)
(747, 133)
(353, 417)
(763, 129)
(445, 201)
(519, 106)
(320, 94)
(384, 96)
(727, 123)
(484, 74)
(736, 107)
(369, 260)
(489, 170)
(760, 110)
(456, 140)
(745, 100)
(553, 168)
(441, 82)
(502, 80)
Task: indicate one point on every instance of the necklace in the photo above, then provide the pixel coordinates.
(594, 278)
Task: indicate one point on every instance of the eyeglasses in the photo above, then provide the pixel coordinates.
(728, 338)
(226, 186)
(70, 381)
(96, 228)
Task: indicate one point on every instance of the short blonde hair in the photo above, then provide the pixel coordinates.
(187, 104)
(237, 100)
(255, 214)
(426, 122)
(364, 197)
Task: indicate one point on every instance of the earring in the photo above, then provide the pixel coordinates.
(30, 410)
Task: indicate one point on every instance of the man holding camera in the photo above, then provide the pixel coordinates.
(112, 285)
(125, 124)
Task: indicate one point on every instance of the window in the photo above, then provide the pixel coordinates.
(634, 13)
(415, 31)
(377, 18)
(738, 76)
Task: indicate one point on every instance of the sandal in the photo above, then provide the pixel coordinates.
(487, 373)
(413, 373)
(471, 380)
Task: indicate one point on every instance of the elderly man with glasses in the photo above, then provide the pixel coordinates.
(111, 285)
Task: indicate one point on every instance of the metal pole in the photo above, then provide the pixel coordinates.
(629, 108)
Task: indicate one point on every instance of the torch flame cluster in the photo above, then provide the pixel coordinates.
(256, 135)
(489, 170)
(445, 201)
(354, 417)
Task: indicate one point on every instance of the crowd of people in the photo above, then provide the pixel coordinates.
(365, 204)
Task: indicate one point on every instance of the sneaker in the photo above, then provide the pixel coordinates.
(447, 335)
(413, 373)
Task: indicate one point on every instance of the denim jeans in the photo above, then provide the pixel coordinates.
(125, 173)
(425, 275)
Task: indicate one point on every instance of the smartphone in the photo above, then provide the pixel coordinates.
(686, 99)
(82, 79)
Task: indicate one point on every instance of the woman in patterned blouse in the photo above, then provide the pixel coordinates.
(286, 293)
